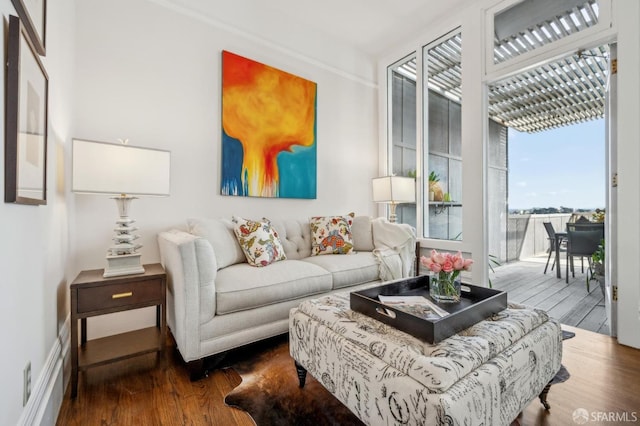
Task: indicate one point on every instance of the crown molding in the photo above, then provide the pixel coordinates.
(254, 38)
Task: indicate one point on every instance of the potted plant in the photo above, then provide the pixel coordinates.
(598, 216)
(597, 266)
(435, 190)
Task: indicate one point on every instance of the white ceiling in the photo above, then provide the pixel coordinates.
(372, 26)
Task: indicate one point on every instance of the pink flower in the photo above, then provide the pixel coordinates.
(437, 257)
(458, 261)
(430, 264)
(426, 261)
(467, 264)
(447, 266)
(446, 262)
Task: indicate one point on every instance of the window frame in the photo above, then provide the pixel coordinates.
(531, 57)
(424, 152)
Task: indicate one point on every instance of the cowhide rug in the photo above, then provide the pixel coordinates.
(269, 392)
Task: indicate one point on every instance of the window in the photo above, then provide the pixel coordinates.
(498, 185)
(402, 83)
(442, 144)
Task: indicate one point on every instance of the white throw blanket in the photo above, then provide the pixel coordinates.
(394, 239)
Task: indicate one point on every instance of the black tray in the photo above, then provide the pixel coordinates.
(476, 304)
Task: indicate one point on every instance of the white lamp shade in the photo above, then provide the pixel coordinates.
(394, 189)
(105, 168)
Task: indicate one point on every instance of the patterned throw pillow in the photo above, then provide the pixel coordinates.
(331, 234)
(259, 241)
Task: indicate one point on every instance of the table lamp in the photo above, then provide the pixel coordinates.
(394, 190)
(122, 171)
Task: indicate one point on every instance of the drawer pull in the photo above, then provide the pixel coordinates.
(121, 295)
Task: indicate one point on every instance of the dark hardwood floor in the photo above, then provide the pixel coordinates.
(151, 391)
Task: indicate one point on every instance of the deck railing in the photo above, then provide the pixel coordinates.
(526, 235)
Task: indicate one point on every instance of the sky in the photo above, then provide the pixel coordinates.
(559, 167)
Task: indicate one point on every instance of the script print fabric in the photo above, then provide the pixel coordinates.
(388, 377)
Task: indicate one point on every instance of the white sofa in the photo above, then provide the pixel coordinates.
(217, 301)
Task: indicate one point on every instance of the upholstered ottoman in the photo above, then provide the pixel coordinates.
(485, 375)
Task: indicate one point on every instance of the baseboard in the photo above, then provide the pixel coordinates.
(48, 390)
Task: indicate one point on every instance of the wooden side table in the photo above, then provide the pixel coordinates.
(93, 295)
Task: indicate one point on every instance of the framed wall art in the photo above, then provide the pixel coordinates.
(268, 131)
(33, 14)
(26, 120)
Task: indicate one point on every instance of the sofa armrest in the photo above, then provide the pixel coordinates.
(191, 270)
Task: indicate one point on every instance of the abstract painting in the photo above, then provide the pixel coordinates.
(268, 131)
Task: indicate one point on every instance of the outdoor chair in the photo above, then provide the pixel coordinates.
(551, 236)
(582, 241)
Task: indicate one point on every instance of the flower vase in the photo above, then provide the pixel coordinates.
(444, 288)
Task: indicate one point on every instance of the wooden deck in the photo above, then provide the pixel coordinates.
(571, 304)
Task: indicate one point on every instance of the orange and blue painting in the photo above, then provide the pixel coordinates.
(268, 131)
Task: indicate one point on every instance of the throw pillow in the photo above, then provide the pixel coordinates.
(362, 233)
(259, 241)
(331, 234)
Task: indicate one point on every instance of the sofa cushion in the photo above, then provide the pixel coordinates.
(331, 234)
(357, 268)
(219, 233)
(241, 286)
(259, 241)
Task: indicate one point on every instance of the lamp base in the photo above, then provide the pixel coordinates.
(392, 212)
(122, 258)
(125, 264)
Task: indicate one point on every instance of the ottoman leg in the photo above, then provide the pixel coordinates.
(543, 396)
(302, 374)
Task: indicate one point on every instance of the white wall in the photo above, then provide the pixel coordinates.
(151, 73)
(36, 239)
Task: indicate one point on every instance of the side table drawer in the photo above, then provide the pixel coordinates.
(108, 296)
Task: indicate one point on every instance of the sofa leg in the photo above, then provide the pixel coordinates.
(197, 370)
(302, 374)
(543, 396)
